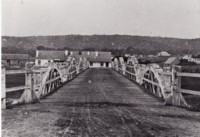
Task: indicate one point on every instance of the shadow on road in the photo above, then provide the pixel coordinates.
(98, 104)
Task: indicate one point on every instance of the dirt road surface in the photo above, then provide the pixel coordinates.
(100, 103)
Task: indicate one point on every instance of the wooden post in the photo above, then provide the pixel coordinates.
(29, 95)
(131, 75)
(67, 74)
(3, 87)
(117, 66)
(137, 74)
(41, 83)
(77, 69)
(124, 69)
(132, 71)
(176, 98)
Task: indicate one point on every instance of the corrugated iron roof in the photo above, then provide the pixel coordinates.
(101, 57)
(45, 54)
(74, 53)
(15, 56)
(171, 60)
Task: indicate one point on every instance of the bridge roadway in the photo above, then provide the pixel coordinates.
(98, 103)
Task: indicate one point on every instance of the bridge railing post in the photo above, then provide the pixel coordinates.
(29, 94)
(124, 69)
(77, 69)
(117, 67)
(3, 87)
(138, 73)
(176, 98)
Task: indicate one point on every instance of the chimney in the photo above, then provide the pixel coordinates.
(66, 52)
(37, 53)
(96, 53)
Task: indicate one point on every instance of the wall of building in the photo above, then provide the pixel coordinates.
(43, 62)
(20, 63)
(95, 65)
(100, 64)
(14, 62)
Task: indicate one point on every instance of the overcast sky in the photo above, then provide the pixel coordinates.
(166, 18)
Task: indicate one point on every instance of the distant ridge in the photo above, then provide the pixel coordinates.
(116, 43)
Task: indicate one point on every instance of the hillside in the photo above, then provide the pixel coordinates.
(118, 44)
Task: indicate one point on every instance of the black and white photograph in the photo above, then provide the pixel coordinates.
(100, 68)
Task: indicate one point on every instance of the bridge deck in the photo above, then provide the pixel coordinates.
(99, 102)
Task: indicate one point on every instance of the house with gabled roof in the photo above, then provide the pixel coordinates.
(163, 54)
(170, 62)
(15, 60)
(97, 58)
(44, 57)
(74, 53)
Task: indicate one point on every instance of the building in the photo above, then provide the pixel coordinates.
(163, 53)
(151, 56)
(188, 56)
(15, 60)
(191, 58)
(170, 62)
(97, 59)
(44, 57)
(74, 53)
(197, 60)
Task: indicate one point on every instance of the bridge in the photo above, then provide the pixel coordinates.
(73, 100)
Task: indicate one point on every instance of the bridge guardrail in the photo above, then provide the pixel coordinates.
(40, 82)
(166, 85)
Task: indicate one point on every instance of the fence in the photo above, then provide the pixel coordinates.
(176, 97)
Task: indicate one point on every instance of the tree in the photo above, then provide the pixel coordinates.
(130, 50)
(187, 63)
(89, 49)
(40, 47)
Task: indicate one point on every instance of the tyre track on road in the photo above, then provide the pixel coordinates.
(90, 117)
(119, 113)
(71, 121)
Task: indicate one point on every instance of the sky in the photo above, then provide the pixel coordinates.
(165, 18)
